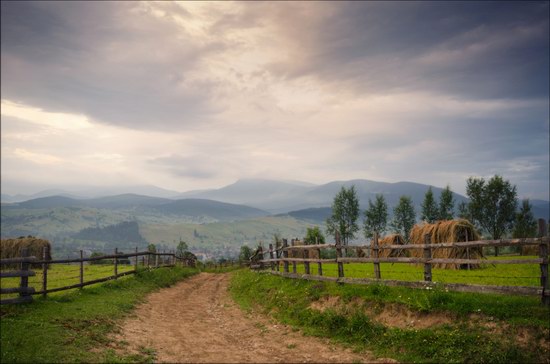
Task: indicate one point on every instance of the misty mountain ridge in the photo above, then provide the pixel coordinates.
(275, 197)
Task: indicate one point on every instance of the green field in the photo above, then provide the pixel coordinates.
(60, 275)
(498, 274)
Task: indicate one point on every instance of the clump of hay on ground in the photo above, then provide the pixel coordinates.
(449, 231)
(11, 248)
(392, 239)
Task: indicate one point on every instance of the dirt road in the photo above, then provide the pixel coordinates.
(196, 321)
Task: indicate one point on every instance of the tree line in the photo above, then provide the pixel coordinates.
(492, 208)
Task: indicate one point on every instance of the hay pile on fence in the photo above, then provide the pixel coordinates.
(11, 248)
(450, 231)
(299, 253)
(393, 239)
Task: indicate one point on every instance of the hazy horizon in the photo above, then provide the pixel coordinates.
(197, 95)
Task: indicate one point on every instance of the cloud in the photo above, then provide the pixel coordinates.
(195, 94)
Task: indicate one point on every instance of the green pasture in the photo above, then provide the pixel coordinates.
(488, 274)
(60, 275)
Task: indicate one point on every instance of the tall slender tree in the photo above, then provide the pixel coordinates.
(430, 211)
(376, 216)
(404, 217)
(446, 204)
(345, 212)
(525, 225)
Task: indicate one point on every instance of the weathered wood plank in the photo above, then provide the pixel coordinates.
(17, 273)
(499, 242)
(26, 290)
(309, 247)
(78, 285)
(31, 259)
(439, 260)
(21, 299)
(472, 288)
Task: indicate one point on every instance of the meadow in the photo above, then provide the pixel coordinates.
(61, 275)
(487, 274)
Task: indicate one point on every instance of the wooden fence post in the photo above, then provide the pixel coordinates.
(116, 263)
(319, 264)
(136, 261)
(81, 268)
(376, 255)
(339, 255)
(24, 282)
(543, 254)
(277, 256)
(156, 260)
(306, 264)
(292, 242)
(285, 255)
(44, 271)
(427, 255)
(271, 256)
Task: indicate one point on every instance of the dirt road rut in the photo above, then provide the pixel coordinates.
(196, 321)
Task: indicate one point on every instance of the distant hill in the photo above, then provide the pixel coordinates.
(315, 214)
(50, 202)
(273, 196)
(281, 197)
(124, 232)
(125, 201)
(217, 210)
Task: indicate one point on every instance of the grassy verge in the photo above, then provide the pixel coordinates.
(74, 326)
(457, 340)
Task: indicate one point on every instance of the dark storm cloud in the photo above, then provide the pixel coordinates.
(469, 49)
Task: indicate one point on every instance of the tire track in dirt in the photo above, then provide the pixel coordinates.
(195, 321)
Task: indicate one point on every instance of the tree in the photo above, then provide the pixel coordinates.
(182, 248)
(404, 217)
(446, 204)
(525, 224)
(376, 216)
(314, 236)
(345, 212)
(463, 211)
(430, 211)
(492, 205)
(245, 254)
(151, 248)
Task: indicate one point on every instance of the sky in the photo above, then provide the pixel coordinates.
(197, 95)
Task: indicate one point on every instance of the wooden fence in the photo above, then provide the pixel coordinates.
(281, 255)
(148, 260)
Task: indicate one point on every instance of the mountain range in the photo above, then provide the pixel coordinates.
(214, 222)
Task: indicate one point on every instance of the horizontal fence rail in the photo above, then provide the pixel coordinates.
(281, 255)
(148, 259)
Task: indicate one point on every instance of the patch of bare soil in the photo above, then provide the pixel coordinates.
(195, 321)
(391, 315)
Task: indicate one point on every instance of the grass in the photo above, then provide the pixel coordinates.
(458, 341)
(498, 274)
(60, 275)
(75, 326)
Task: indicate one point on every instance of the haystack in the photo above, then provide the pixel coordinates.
(299, 253)
(11, 248)
(459, 230)
(393, 239)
